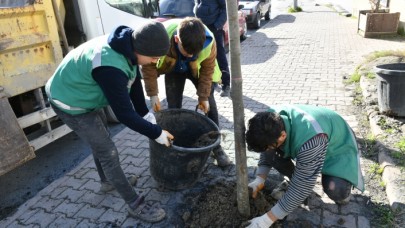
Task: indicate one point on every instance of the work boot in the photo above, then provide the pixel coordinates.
(226, 91)
(221, 157)
(107, 186)
(147, 211)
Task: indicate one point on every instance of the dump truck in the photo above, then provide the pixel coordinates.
(34, 37)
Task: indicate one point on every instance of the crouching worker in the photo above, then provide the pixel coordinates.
(319, 141)
(104, 71)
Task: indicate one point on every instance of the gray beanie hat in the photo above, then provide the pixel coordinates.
(151, 40)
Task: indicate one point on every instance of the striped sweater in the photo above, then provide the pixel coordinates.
(309, 163)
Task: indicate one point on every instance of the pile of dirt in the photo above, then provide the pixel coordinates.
(217, 207)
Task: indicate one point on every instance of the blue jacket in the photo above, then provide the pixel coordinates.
(211, 12)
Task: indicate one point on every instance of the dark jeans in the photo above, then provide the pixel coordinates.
(336, 188)
(221, 55)
(92, 128)
(175, 82)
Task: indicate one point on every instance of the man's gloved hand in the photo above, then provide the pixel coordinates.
(204, 106)
(150, 118)
(164, 138)
(155, 103)
(263, 221)
(256, 185)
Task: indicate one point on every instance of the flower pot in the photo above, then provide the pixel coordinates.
(390, 88)
(375, 24)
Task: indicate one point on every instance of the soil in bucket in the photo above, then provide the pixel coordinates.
(180, 166)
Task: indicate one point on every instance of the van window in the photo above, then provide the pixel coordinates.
(15, 3)
(142, 8)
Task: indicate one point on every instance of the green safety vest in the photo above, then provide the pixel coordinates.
(302, 122)
(171, 27)
(72, 87)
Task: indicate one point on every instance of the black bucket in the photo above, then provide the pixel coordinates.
(180, 166)
(391, 88)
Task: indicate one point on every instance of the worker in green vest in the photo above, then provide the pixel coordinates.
(319, 140)
(105, 71)
(192, 56)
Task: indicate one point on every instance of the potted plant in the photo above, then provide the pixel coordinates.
(378, 20)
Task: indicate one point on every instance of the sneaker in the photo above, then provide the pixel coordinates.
(226, 91)
(280, 190)
(107, 186)
(221, 157)
(146, 211)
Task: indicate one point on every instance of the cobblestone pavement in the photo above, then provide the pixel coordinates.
(295, 58)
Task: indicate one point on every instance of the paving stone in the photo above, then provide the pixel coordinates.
(351, 208)
(47, 204)
(69, 209)
(91, 198)
(71, 194)
(363, 222)
(54, 194)
(136, 170)
(131, 222)
(73, 183)
(115, 219)
(86, 223)
(330, 219)
(91, 185)
(133, 160)
(62, 221)
(314, 216)
(41, 218)
(162, 197)
(89, 212)
(92, 174)
(115, 203)
(28, 214)
(331, 207)
(81, 172)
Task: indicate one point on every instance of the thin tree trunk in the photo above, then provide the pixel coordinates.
(238, 109)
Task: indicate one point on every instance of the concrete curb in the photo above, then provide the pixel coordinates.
(342, 11)
(391, 174)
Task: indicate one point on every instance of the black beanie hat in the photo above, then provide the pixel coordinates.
(151, 39)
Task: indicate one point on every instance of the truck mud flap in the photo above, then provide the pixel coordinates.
(14, 147)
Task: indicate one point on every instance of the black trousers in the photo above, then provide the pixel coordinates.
(175, 82)
(221, 55)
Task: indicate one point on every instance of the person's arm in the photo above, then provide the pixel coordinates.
(265, 164)
(221, 19)
(138, 98)
(309, 163)
(206, 74)
(150, 75)
(113, 82)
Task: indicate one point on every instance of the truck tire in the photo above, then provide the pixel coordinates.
(267, 15)
(256, 22)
